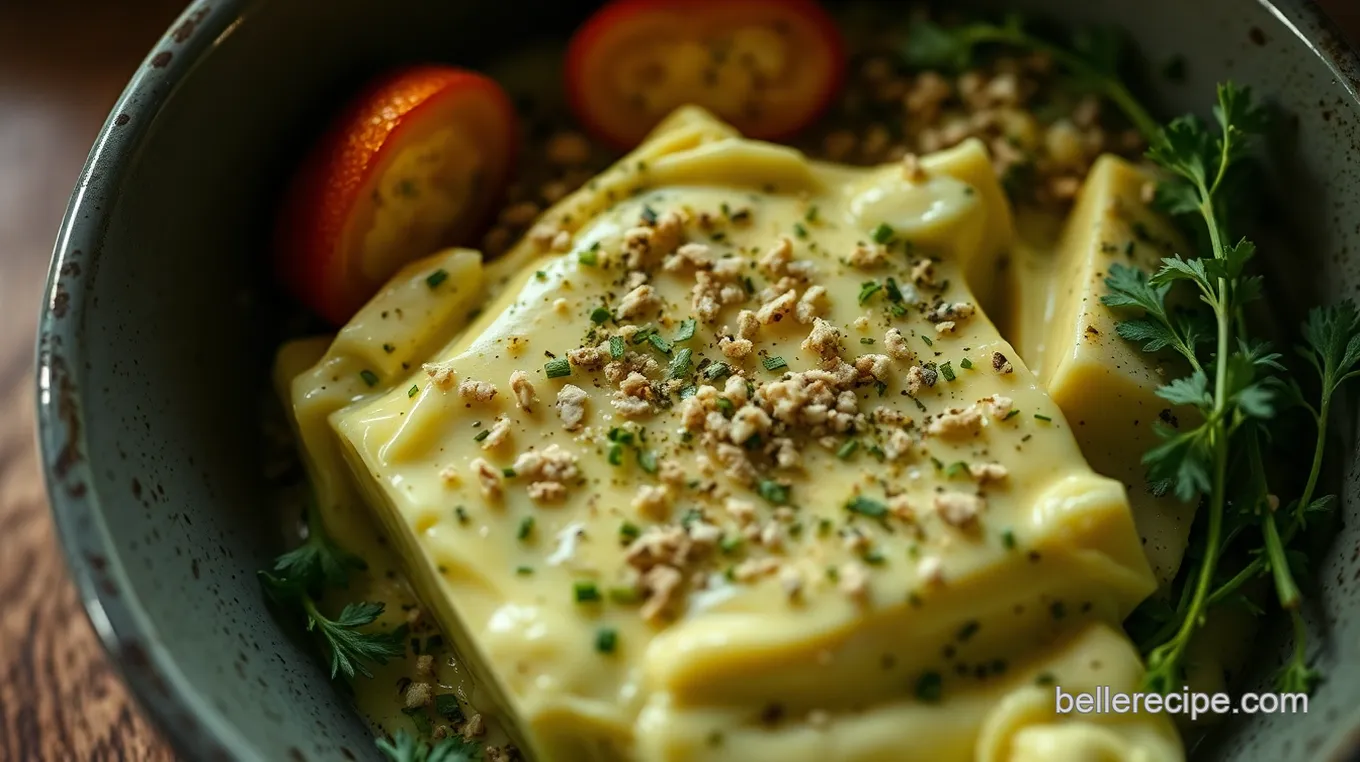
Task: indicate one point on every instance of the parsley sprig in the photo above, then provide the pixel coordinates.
(296, 582)
(1236, 384)
(403, 747)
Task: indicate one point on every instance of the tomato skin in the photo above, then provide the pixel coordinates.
(591, 43)
(312, 256)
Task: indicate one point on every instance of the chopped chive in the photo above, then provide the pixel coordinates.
(617, 434)
(588, 257)
(369, 377)
(606, 640)
(799, 230)
(388, 348)
(628, 531)
(686, 331)
(647, 460)
(866, 340)
(947, 371)
(557, 368)
(1011, 415)
(483, 434)
(897, 310)
(883, 233)
(524, 571)
(894, 293)
(774, 362)
(881, 387)
(927, 340)
(811, 215)
(680, 364)
(966, 364)
(540, 275)
(867, 507)
(717, 370)
(1042, 417)
(955, 468)
(648, 214)
(773, 491)
(526, 527)
(1008, 539)
(867, 289)
(413, 391)
(615, 455)
(446, 706)
(616, 347)
(874, 557)
(847, 449)
(660, 343)
(585, 592)
(725, 209)
(688, 391)
(624, 595)
(435, 278)
(461, 513)
(599, 315)
(508, 472)
(643, 332)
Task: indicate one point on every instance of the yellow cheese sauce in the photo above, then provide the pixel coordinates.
(731, 463)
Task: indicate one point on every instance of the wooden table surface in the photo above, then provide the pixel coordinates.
(62, 64)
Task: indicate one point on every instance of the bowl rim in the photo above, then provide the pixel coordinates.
(195, 728)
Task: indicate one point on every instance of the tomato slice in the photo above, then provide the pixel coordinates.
(766, 66)
(415, 163)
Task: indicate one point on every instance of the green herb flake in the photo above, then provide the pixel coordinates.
(388, 348)
(686, 330)
(927, 340)
(435, 278)
(1042, 417)
(866, 340)
(955, 469)
(606, 640)
(599, 315)
(947, 371)
(811, 215)
(1008, 539)
(557, 368)
(628, 531)
(647, 460)
(865, 506)
(799, 230)
(717, 371)
(585, 591)
(483, 434)
(867, 289)
(847, 449)
(615, 455)
(616, 347)
(446, 706)
(883, 233)
(1011, 415)
(774, 362)
(930, 687)
(680, 364)
(524, 571)
(648, 213)
(966, 364)
(526, 528)
(773, 491)
(508, 472)
(659, 343)
(369, 377)
(413, 391)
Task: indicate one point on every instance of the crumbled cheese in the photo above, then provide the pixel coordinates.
(475, 727)
(867, 256)
(747, 422)
(419, 694)
(588, 358)
(743, 511)
(571, 406)
(931, 570)
(996, 405)
(898, 446)
(958, 509)
(786, 454)
(912, 171)
(923, 272)
(736, 466)
(812, 304)
(523, 390)
(424, 666)
(854, 580)
(944, 327)
(477, 391)
(774, 262)
(547, 470)
(696, 255)
(561, 241)
(713, 290)
(735, 349)
(791, 581)
(951, 311)
(873, 366)
(441, 374)
(955, 422)
(747, 324)
(543, 234)
(659, 586)
(1000, 364)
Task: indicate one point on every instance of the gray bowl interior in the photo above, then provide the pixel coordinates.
(155, 343)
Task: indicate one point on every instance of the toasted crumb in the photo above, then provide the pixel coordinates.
(654, 501)
(955, 422)
(488, 478)
(958, 509)
(912, 171)
(523, 390)
(419, 694)
(571, 406)
(638, 301)
(791, 581)
(824, 341)
(747, 324)
(931, 570)
(736, 466)
(776, 259)
(988, 472)
(543, 234)
(919, 378)
(873, 366)
(943, 327)
(735, 349)
(659, 585)
(747, 422)
(696, 255)
(996, 405)
(588, 358)
(743, 511)
(441, 375)
(867, 256)
(477, 391)
(923, 272)
(475, 727)
(498, 435)
(901, 508)
(775, 309)
(899, 445)
(424, 666)
(896, 344)
(854, 580)
(812, 304)
(450, 476)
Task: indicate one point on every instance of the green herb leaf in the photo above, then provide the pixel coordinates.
(680, 364)
(867, 507)
(686, 330)
(774, 362)
(435, 278)
(773, 491)
(557, 368)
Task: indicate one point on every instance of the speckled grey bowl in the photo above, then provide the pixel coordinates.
(154, 342)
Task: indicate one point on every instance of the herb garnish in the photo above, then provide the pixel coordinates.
(404, 747)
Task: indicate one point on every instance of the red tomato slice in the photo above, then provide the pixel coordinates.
(415, 163)
(767, 66)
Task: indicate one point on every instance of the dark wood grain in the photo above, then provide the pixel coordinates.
(62, 64)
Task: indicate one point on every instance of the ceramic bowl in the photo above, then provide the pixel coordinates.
(155, 338)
